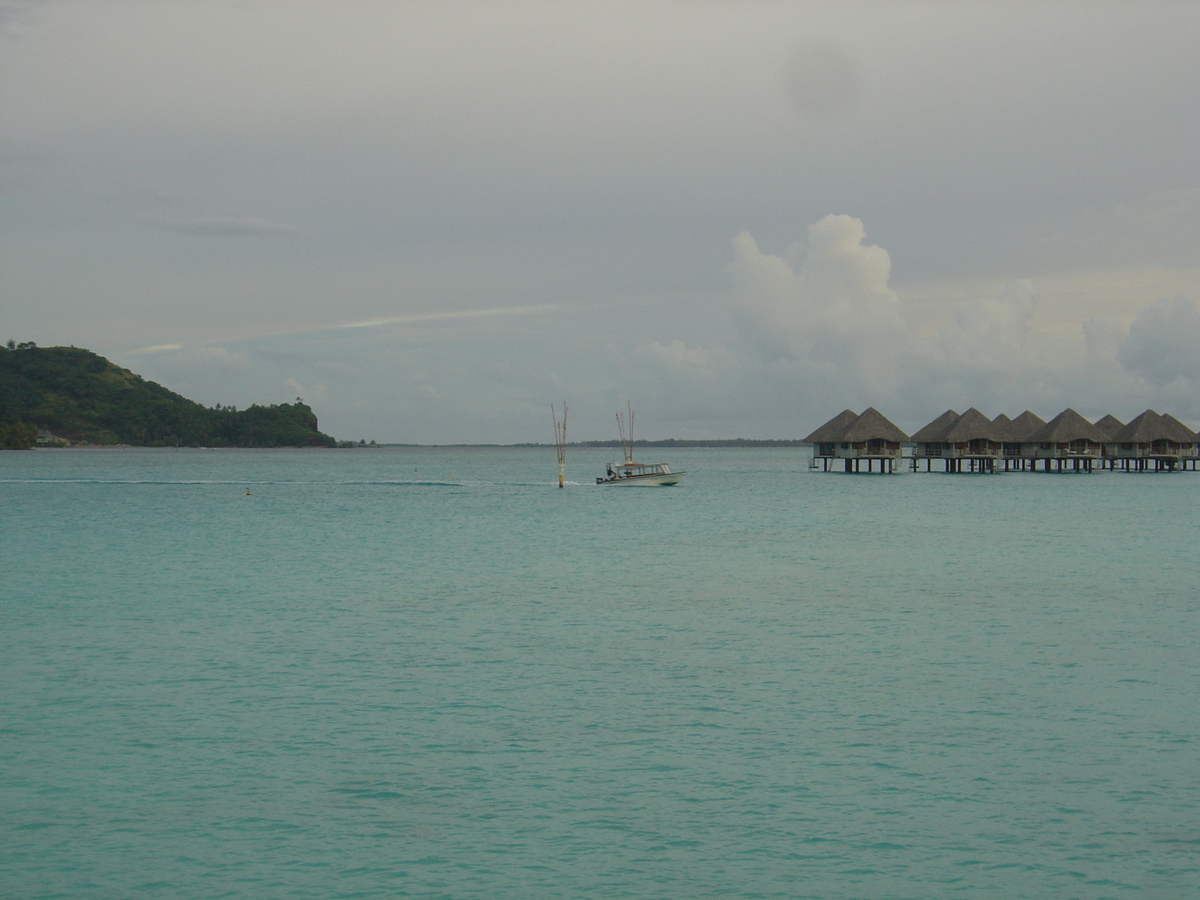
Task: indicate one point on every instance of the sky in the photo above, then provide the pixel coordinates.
(431, 221)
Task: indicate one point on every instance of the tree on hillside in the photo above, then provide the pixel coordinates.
(81, 396)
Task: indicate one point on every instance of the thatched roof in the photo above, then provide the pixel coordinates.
(871, 425)
(951, 427)
(832, 431)
(1067, 426)
(1142, 429)
(1110, 425)
(935, 429)
(973, 426)
(1181, 429)
(1023, 426)
(1150, 426)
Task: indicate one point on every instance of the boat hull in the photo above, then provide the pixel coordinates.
(655, 480)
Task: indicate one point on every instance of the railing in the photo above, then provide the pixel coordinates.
(956, 453)
(1152, 453)
(1065, 453)
(859, 453)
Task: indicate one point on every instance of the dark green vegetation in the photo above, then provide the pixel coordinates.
(17, 436)
(83, 398)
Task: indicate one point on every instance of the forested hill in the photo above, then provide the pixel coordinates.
(81, 397)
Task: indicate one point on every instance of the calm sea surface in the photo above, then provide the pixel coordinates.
(432, 673)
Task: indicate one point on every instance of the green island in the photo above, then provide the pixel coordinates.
(63, 396)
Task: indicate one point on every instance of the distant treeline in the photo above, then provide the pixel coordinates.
(75, 396)
(679, 443)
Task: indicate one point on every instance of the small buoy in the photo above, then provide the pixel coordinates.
(247, 492)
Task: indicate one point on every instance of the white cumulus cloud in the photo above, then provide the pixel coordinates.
(820, 327)
(834, 312)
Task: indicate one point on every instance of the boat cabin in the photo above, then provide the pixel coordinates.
(632, 469)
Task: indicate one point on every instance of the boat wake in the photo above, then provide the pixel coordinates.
(243, 482)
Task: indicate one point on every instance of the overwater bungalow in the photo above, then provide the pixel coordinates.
(1151, 442)
(974, 440)
(1189, 448)
(826, 438)
(1066, 442)
(1016, 432)
(929, 441)
(851, 438)
(968, 442)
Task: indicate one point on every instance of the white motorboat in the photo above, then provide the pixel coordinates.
(629, 472)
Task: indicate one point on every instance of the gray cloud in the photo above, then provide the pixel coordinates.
(15, 14)
(1163, 344)
(430, 162)
(794, 336)
(221, 226)
(822, 82)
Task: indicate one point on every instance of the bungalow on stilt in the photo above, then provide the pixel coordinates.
(868, 437)
(930, 440)
(1016, 433)
(1151, 442)
(1068, 442)
(973, 440)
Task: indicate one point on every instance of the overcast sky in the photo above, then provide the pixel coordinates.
(433, 220)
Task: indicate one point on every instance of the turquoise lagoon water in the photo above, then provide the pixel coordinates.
(432, 673)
